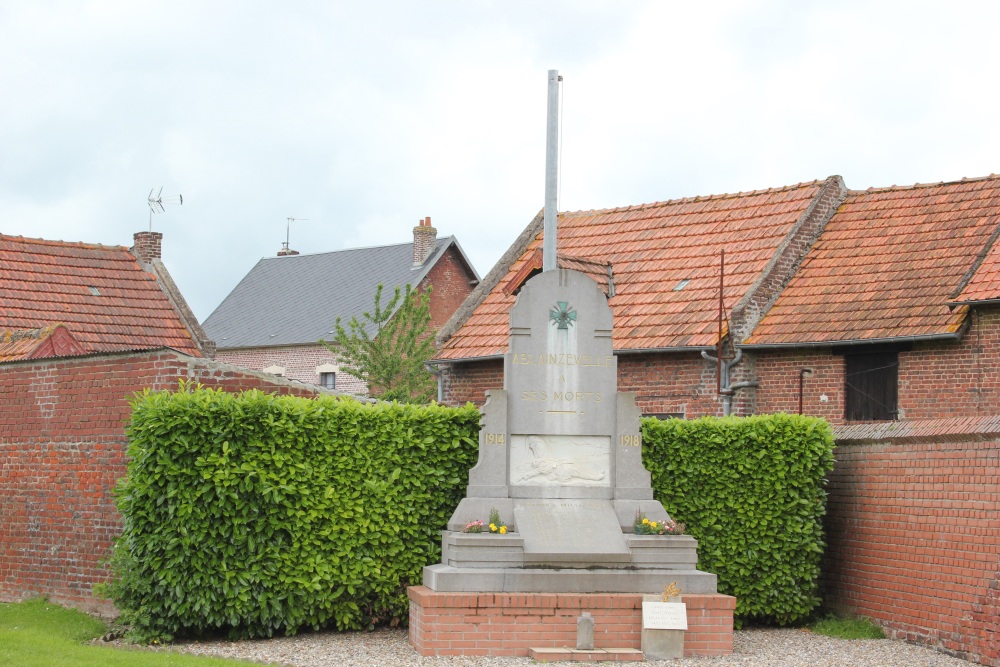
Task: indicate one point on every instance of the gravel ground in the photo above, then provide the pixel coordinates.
(753, 648)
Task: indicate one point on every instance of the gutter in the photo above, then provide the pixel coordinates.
(838, 343)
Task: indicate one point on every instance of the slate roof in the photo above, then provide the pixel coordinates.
(100, 293)
(886, 266)
(654, 249)
(296, 299)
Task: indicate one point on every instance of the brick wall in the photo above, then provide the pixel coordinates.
(681, 383)
(779, 373)
(677, 383)
(508, 624)
(913, 535)
(62, 449)
(468, 382)
(450, 279)
(937, 379)
(299, 361)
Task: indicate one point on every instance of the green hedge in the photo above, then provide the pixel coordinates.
(261, 513)
(751, 490)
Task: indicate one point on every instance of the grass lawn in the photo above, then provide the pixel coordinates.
(37, 633)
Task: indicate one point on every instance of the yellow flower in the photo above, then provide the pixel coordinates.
(493, 528)
(645, 521)
(503, 530)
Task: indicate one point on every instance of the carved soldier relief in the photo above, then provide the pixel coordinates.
(560, 460)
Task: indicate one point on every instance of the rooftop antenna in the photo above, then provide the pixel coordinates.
(156, 200)
(288, 230)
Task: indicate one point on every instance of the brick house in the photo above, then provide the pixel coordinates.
(273, 319)
(64, 298)
(661, 265)
(878, 310)
(856, 304)
(82, 328)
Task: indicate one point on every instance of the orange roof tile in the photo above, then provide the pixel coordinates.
(100, 293)
(52, 341)
(985, 282)
(886, 266)
(654, 249)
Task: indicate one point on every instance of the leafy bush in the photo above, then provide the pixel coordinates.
(751, 491)
(261, 513)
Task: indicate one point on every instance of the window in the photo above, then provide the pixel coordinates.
(328, 380)
(871, 386)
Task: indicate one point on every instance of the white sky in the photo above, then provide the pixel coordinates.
(367, 116)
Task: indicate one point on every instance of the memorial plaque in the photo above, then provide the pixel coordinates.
(664, 616)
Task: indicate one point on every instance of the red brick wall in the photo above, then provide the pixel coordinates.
(468, 383)
(664, 383)
(299, 361)
(680, 383)
(913, 531)
(779, 373)
(62, 448)
(508, 624)
(450, 279)
(937, 380)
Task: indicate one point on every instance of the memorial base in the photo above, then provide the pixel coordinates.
(510, 624)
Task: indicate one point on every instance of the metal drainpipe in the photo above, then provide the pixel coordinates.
(727, 390)
(435, 370)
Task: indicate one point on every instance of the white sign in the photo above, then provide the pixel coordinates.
(664, 616)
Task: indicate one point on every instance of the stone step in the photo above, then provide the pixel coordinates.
(542, 654)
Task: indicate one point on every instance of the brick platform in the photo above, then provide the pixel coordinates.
(508, 624)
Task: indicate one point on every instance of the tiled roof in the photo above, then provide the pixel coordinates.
(985, 282)
(52, 341)
(886, 266)
(599, 271)
(665, 260)
(101, 293)
(297, 299)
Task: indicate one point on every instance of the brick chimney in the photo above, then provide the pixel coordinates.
(424, 238)
(286, 251)
(147, 246)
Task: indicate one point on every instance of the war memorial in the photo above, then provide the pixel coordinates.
(560, 463)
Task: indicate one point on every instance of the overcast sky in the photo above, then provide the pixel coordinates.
(365, 117)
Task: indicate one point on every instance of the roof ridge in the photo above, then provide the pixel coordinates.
(896, 188)
(75, 244)
(371, 247)
(701, 198)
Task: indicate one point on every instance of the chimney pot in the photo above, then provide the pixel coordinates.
(424, 238)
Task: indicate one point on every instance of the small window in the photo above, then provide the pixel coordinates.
(871, 386)
(328, 380)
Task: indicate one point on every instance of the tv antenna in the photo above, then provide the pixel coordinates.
(156, 201)
(288, 231)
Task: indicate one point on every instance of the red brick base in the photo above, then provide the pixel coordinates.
(502, 624)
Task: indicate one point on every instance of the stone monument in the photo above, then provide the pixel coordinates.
(560, 458)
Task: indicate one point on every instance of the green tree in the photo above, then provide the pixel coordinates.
(388, 347)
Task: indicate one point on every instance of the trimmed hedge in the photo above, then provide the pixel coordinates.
(261, 513)
(751, 491)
